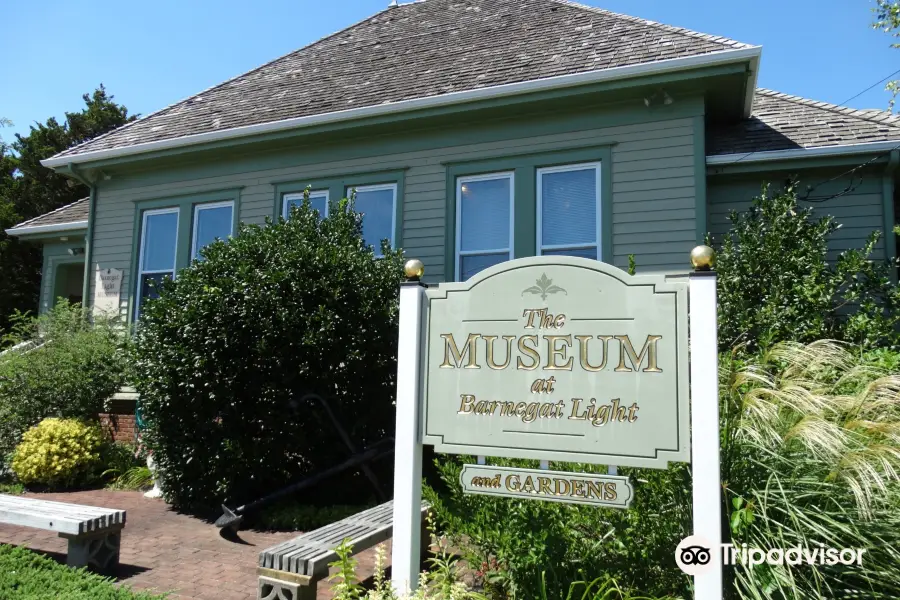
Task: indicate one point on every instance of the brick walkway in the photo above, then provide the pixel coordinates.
(164, 551)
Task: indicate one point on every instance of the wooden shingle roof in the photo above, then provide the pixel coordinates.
(785, 122)
(418, 50)
(74, 215)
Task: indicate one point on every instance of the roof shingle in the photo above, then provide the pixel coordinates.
(785, 122)
(417, 50)
(77, 212)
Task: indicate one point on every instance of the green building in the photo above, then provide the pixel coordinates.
(473, 131)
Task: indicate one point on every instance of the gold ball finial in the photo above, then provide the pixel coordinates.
(414, 269)
(703, 258)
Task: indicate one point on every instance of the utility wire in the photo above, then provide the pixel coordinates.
(870, 87)
(851, 186)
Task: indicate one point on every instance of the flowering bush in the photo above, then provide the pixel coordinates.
(58, 453)
(66, 365)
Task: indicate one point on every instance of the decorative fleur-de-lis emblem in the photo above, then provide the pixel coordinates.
(544, 286)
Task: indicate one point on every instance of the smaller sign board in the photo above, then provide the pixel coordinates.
(555, 486)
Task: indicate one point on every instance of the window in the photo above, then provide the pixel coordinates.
(568, 210)
(211, 221)
(159, 238)
(378, 205)
(379, 196)
(317, 199)
(484, 221)
(172, 231)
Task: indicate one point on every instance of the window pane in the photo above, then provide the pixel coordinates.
(212, 223)
(150, 284)
(377, 208)
(583, 252)
(569, 208)
(484, 214)
(318, 202)
(160, 231)
(470, 265)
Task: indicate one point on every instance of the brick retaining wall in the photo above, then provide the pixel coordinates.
(121, 428)
(119, 422)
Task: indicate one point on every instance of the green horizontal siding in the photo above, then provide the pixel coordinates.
(653, 180)
(860, 211)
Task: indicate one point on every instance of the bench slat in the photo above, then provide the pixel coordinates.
(87, 511)
(310, 552)
(73, 519)
(39, 521)
(32, 500)
(53, 509)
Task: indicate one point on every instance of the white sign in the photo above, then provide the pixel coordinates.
(432, 409)
(107, 291)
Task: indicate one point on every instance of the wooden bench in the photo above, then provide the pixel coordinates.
(93, 533)
(293, 569)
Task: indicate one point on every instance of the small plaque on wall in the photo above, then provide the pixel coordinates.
(107, 291)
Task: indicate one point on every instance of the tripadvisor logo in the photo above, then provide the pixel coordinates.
(695, 556)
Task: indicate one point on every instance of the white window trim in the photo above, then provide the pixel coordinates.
(285, 201)
(377, 188)
(540, 210)
(462, 180)
(140, 270)
(207, 206)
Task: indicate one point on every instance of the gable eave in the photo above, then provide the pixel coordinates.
(43, 230)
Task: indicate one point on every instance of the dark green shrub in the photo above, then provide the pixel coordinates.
(26, 575)
(776, 283)
(124, 468)
(523, 547)
(225, 358)
(71, 368)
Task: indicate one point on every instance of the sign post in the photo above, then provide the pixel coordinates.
(707, 487)
(563, 359)
(405, 549)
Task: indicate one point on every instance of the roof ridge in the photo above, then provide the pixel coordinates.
(23, 223)
(238, 76)
(671, 28)
(884, 117)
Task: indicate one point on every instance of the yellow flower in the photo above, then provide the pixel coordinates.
(53, 449)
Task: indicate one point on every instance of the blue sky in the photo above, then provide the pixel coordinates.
(150, 54)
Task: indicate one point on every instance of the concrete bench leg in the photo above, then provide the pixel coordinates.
(279, 585)
(96, 550)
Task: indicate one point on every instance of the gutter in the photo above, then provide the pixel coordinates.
(89, 236)
(511, 89)
(840, 150)
(54, 228)
(890, 239)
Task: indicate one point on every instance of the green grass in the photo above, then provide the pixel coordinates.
(13, 488)
(25, 575)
